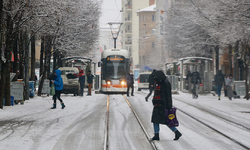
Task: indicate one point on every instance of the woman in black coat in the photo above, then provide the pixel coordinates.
(162, 100)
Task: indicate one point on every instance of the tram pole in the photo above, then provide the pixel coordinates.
(115, 37)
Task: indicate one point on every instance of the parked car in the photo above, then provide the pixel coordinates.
(143, 80)
(71, 84)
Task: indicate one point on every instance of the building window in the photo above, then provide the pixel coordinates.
(153, 17)
(144, 18)
(153, 45)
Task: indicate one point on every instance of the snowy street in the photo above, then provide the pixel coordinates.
(206, 123)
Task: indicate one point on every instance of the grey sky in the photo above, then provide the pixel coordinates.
(110, 12)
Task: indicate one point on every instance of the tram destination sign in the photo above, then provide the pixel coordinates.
(115, 58)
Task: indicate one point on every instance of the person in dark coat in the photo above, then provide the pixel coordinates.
(130, 83)
(195, 78)
(58, 88)
(219, 81)
(90, 82)
(81, 76)
(162, 100)
(52, 77)
(151, 85)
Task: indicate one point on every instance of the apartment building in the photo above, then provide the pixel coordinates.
(147, 38)
(130, 27)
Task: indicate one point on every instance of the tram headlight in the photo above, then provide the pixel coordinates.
(108, 82)
(122, 82)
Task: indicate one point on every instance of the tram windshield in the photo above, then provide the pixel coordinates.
(115, 69)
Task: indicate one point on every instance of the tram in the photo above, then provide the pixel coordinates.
(115, 64)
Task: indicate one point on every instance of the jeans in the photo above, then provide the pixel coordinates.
(218, 89)
(157, 128)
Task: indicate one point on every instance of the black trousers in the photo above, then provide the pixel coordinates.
(132, 87)
(57, 95)
(81, 89)
(150, 92)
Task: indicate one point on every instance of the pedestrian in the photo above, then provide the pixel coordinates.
(18, 75)
(151, 85)
(58, 82)
(219, 81)
(195, 80)
(130, 83)
(35, 82)
(229, 83)
(90, 82)
(188, 80)
(162, 100)
(52, 77)
(81, 76)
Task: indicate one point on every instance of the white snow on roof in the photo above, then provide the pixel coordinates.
(150, 8)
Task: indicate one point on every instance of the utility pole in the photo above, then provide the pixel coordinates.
(113, 34)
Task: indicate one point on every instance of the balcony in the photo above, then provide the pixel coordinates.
(128, 19)
(128, 42)
(128, 31)
(128, 7)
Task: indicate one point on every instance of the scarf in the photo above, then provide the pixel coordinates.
(157, 95)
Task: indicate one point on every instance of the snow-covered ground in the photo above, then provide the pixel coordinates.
(81, 125)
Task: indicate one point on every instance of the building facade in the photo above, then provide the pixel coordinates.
(130, 27)
(147, 38)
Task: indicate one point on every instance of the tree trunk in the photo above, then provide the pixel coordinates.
(217, 58)
(230, 59)
(236, 62)
(33, 57)
(1, 72)
(54, 60)
(246, 84)
(26, 66)
(9, 40)
(15, 51)
(41, 55)
(21, 53)
(39, 93)
(2, 82)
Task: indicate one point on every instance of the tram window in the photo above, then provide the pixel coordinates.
(115, 70)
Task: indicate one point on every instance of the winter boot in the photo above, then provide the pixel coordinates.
(63, 105)
(54, 106)
(177, 135)
(156, 137)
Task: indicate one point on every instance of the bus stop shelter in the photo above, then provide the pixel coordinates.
(201, 64)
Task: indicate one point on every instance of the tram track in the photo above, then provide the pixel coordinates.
(218, 116)
(237, 125)
(106, 142)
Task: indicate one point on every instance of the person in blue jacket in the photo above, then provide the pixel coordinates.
(58, 82)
